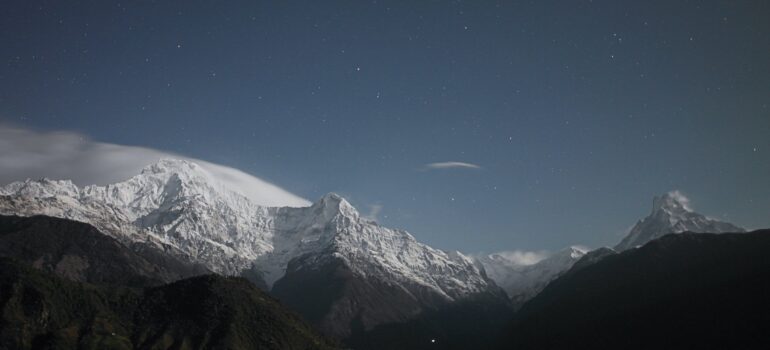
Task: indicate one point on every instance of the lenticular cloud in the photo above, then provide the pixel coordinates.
(67, 155)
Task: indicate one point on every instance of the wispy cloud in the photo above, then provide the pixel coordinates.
(523, 258)
(452, 165)
(374, 212)
(68, 155)
(681, 198)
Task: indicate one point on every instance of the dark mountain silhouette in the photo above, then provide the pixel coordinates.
(79, 252)
(346, 305)
(472, 323)
(39, 310)
(681, 291)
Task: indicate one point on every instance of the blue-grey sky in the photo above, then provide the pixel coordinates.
(547, 123)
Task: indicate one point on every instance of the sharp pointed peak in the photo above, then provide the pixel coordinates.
(331, 196)
(335, 202)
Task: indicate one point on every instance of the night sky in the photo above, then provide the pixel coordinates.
(570, 115)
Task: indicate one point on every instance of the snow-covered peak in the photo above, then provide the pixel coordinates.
(189, 174)
(671, 213)
(334, 229)
(333, 204)
(173, 166)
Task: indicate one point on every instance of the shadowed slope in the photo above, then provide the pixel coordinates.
(683, 290)
(40, 310)
(78, 252)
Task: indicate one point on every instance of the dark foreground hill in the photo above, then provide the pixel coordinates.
(79, 252)
(355, 301)
(42, 311)
(472, 323)
(681, 291)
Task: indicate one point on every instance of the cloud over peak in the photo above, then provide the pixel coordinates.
(67, 155)
(523, 258)
(681, 198)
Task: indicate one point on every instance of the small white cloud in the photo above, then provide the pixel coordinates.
(452, 165)
(374, 212)
(521, 257)
(681, 198)
(67, 155)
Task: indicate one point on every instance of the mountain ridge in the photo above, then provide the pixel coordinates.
(174, 206)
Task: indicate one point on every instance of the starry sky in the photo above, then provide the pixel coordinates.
(479, 125)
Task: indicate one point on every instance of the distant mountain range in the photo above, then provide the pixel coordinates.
(523, 281)
(670, 214)
(348, 276)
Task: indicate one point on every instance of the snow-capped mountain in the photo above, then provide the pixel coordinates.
(178, 206)
(522, 281)
(671, 213)
(173, 204)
